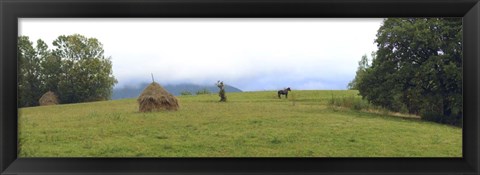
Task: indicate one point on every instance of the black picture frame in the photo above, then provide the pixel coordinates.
(11, 10)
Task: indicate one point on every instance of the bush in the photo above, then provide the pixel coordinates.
(437, 117)
(355, 103)
(351, 102)
(203, 91)
(185, 93)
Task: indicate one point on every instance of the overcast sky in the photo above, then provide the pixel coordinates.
(250, 54)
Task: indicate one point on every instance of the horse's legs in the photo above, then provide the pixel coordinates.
(286, 95)
(279, 95)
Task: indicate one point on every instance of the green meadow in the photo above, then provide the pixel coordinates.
(250, 124)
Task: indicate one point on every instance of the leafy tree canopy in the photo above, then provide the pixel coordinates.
(417, 68)
(75, 69)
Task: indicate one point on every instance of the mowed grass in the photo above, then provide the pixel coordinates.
(250, 124)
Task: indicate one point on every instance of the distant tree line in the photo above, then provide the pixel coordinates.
(416, 69)
(76, 70)
(199, 92)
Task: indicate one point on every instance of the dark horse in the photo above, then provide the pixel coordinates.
(284, 92)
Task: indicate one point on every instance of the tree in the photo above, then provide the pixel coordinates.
(87, 74)
(76, 70)
(418, 68)
(49, 66)
(362, 67)
(29, 83)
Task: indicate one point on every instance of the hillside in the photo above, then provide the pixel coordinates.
(250, 124)
(133, 92)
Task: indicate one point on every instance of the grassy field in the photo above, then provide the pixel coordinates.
(250, 124)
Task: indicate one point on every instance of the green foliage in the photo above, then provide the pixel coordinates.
(352, 102)
(361, 71)
(29, 79)
(76, 70)
(88, 73)
(417, 68)
(203, 91)
(185, 93)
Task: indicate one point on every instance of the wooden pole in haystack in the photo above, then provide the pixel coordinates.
(156, 98)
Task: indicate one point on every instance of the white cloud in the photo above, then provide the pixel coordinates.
(252, 54)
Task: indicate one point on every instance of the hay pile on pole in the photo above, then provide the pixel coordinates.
(221, 93)
(156, 98)
(48, 98)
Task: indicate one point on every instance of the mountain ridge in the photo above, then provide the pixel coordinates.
(176, 90)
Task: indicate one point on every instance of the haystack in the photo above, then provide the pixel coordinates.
(156, 98)
(48, 98)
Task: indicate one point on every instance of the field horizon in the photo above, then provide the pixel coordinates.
(249, 124)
